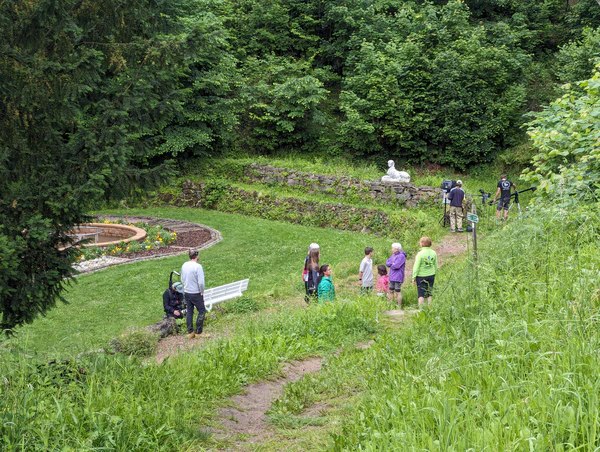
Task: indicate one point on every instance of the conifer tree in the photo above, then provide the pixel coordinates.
(85, 89)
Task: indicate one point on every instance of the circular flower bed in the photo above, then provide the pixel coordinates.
(157, 237)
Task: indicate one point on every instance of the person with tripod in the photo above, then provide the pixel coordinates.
(456, 197)
(503, 191)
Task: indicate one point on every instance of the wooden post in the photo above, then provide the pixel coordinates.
(474, 212)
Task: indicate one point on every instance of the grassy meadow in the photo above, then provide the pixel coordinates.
(506, 358)
(59, 397)
(103, 304)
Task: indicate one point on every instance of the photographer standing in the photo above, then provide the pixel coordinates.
(456, 197)
(503, 191)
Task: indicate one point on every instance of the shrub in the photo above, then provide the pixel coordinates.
(136, 342)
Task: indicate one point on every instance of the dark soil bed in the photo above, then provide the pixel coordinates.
(190, 239)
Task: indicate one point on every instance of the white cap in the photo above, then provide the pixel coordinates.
(313, 246)
(458, 182)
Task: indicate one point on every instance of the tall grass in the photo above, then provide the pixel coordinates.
(507, 359)
(107, 402)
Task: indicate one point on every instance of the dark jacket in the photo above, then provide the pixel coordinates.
(456, 196)
(172, 301)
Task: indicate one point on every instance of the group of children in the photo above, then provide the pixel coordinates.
(318, 284)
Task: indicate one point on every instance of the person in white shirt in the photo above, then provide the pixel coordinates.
(192, 277)
(365, 272)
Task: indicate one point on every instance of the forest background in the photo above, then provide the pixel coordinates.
(102, 100)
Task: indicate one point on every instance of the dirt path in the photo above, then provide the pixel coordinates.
(245, 423)
(246, 415)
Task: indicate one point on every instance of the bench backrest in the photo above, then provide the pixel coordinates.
(222, 293)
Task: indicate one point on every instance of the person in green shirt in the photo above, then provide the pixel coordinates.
(424, 271)
(326, 290)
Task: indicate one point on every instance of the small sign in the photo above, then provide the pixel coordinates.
(472, 217)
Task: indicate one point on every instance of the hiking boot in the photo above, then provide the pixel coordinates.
(203, 335)
(452, 230)
(191, 335)
(461, 230)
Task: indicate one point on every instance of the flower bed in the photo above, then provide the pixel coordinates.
(157, 237)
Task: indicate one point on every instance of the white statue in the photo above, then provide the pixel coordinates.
(393, 175)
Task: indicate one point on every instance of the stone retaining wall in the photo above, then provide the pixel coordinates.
(399, 193)
(232, 199)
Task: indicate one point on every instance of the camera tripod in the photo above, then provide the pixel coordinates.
(514, 200)
(445, 220)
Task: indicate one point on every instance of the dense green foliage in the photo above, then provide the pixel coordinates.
(96, 101)
(567, 137)
(443, 81)
(431, 87)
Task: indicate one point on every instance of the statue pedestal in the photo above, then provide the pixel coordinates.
(400, 177)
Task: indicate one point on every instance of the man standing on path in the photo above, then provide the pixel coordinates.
(504, 187)
(456, 197)
(192, 277)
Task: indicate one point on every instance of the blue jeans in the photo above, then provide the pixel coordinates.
(195, 300)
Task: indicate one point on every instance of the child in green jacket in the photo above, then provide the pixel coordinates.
(326, 290)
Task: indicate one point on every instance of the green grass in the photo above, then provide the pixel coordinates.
(106, 303)
(506, 360)
(111, 402)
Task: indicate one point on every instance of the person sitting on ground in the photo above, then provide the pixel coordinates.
(383, 283)
(326, 289)
(173, 301)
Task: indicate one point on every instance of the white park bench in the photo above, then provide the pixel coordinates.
(222, 293)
